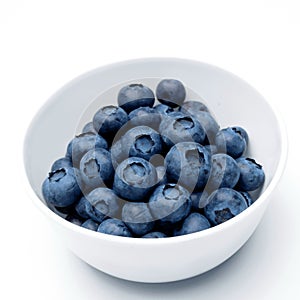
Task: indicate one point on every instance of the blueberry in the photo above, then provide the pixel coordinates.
(192, 107)
(224, 172)
(96, 169)
(209, 124)
(170, 92)
(99, 204)
(224, 204)
(81, 208)
(140, 141)
(135, 95)
(241, 131)
(64, 162)
(61, 187)
(170, 203)
(74, 219)
(189, 165)
(252, 174)
(163, 109)
(147, 116)
(114, 227)
(247, 197)
(177, 127)
(199, 200)
(137, 217)
(89, 127)
(108, 120)
(135, 178)
(90, 224)
(231, 142)
(154, 235)
(82, 143)
(193, 223)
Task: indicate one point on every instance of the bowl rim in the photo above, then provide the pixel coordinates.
(168, 240)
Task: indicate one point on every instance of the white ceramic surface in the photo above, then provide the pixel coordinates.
(232, 101)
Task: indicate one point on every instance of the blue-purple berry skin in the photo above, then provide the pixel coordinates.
(223, 205)
(171, 92)
(135, 95)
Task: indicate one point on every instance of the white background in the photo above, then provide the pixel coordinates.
(44, 44)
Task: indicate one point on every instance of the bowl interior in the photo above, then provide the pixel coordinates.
(230, 99)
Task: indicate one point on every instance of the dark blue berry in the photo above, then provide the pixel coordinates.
(99, 204)
(137, 217)
(177, 127)
(61, 188)
(96, 169)
(224, 204)
(252, 174)
(64, 162)
(90, 224)
(224, 172)
(163, 109)
(171, 92)
(114, 227)
(189, 165)
(89, 127)
(82, 143)
(135, 179)
(231, 142)
(145, 116)
(135, 95)
(193, 223)
(170, 203)
(108, 120)
(140, 141)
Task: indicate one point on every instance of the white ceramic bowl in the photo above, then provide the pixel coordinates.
(232, 101)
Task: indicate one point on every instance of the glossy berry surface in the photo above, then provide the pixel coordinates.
(252, 174)
(177, 127)
(96, 169)
(135, 95)
(61, 187)
(170, 203)
(188, 164)
(224, 204)
(82, 143)
(100, 204)
(108, 120)
(64, 162)
(137, 217)
(135, 179)
(224, 172)
(171, 92)
(114, 227)
(193, 223)
(145, 116)
(89, 127)
(90, 224)
(140, 141)
(231, 142)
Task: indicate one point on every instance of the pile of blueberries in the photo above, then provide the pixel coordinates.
(139, 170)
